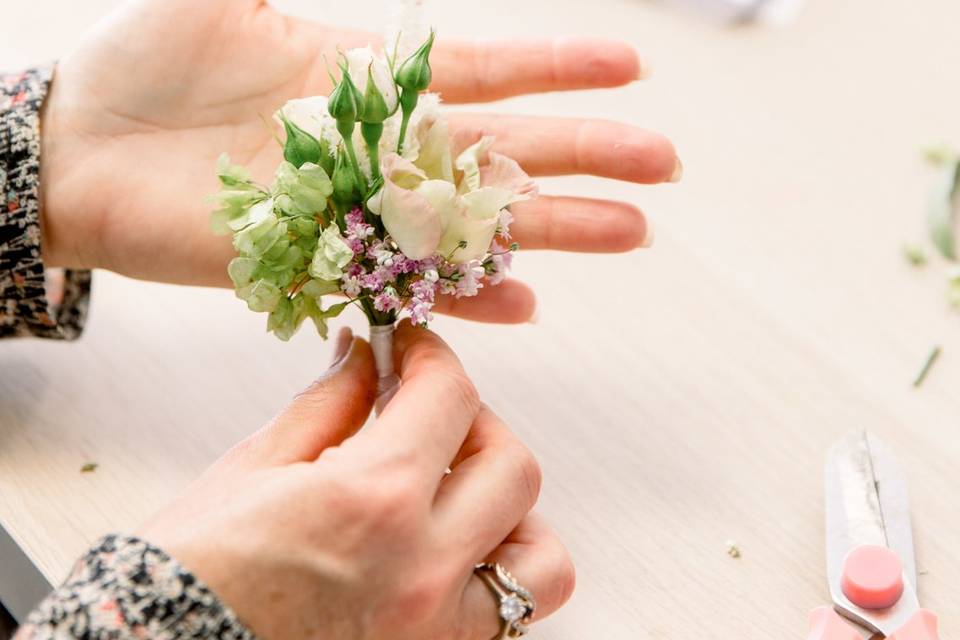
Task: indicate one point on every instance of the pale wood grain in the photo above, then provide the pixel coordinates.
(676, 397)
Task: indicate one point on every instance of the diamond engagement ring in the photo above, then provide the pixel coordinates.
(515, 604)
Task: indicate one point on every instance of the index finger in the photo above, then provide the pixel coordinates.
(487, 70)
(429, 417)
(481, 71)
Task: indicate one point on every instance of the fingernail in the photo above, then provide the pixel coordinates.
(677, 174)
(648, 238)
(344, 340)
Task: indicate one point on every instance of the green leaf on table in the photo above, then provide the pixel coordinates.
(941, 211)
(915, 255)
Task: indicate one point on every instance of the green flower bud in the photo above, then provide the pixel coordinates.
(300, 147)
(345, 188)
(346, 102)
(375, 107)
(415, 74)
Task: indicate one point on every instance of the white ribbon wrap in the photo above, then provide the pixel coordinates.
(381, 341)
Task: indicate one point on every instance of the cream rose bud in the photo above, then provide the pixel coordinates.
(306, 113)
(362, 63)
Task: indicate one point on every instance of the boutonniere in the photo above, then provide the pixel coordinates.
(369, 207)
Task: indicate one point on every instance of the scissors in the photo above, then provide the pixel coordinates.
(871, 567)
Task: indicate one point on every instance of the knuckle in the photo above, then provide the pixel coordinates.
(463, 390)
(566, 579)
(420, 602)
(393, 503)
(528, 472)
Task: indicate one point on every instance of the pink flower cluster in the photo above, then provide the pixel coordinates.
(381, 272)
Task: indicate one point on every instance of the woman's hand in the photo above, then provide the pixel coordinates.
(139, 112)
(309, 529)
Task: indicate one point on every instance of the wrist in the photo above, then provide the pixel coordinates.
(65, 195)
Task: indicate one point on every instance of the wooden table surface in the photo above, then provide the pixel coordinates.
(676, 397)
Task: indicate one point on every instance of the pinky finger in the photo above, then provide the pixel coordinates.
(579, 224)
(510, 302)
(537, 558)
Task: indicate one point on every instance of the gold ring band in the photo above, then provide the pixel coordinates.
(515, 604)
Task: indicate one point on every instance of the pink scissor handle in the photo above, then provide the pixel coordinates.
(872, 577)
(826, 624)
(921, 626)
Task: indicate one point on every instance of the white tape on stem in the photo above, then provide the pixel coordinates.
(381, 341)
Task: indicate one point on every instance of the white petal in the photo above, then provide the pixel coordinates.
(434, 156)
(475, 224)
(408, 216)
(307, 113)
(358, 63)
(469, 163)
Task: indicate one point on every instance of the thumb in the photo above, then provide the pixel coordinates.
(329, 411)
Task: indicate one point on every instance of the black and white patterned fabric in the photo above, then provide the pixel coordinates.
(126, 589)
(33, 301)
(123, 588)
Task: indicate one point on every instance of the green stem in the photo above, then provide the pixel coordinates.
(408, 102)
(372, 131)
(346, 132)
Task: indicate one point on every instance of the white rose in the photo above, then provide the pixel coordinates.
(309, 114)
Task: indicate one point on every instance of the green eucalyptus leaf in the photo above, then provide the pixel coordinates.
(941, 211)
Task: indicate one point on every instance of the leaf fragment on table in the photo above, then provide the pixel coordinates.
(733, 549)
(927, 365)
(941, 210)
(89, 467)
(915, 255)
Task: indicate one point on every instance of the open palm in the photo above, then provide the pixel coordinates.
(139, 112)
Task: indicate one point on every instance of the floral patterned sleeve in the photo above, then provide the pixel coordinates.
(34, 301)
(126, 589)
(122, 588)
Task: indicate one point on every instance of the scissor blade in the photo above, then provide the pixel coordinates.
(866, 503)
(894, 504)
